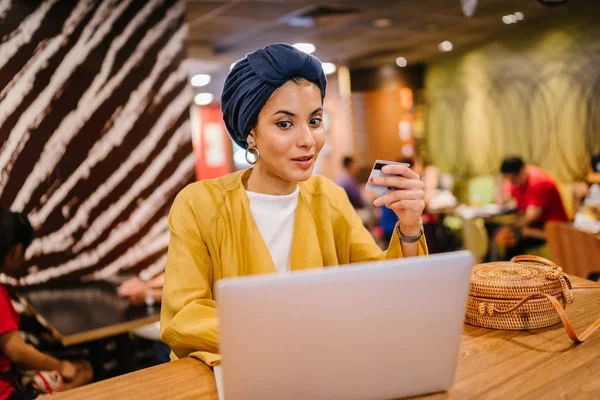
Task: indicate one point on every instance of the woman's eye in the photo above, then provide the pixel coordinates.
(284, 124)
(316, 121)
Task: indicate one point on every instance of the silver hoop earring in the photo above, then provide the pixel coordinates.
(255, 153)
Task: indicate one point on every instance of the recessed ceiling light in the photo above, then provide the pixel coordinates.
(328, 68)
(513, 18)
(445, 46)
(305, 47)
(200, 80)
(382, 23)
(401, 62)
(203, 99)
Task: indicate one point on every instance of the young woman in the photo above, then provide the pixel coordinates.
(276, 216)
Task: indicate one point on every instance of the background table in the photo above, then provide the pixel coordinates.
(492, 364)
(86, 312)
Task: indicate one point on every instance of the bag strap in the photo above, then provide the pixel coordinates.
(561, 312)
(545, 261)
(538, 259)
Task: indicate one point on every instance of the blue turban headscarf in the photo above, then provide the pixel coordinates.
(253, 80)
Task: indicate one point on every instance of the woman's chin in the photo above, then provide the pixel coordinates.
(301, 176)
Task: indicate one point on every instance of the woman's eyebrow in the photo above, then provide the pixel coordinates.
(291, 114)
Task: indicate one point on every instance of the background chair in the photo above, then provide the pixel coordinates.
(475, 238)
(576, 251)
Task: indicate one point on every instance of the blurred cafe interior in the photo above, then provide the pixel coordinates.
(127, 127)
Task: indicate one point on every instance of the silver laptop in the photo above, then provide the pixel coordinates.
(379, 330)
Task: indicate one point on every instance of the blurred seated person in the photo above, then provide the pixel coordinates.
(347, 180)
(595, 161)
(139, 292)
(538, 201)
(16, 234)
(388, 221)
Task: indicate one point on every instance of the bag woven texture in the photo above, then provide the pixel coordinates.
(506, 295)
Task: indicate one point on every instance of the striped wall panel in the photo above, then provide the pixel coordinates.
(94, 131)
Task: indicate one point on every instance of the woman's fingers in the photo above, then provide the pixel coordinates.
(400, 169)
(398, 195)
(416, 206)
(398, 182)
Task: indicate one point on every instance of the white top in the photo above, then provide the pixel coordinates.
(274, 216)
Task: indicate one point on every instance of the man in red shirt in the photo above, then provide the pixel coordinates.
(538, 201)
(15, 235)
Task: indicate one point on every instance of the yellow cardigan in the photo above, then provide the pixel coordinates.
(214, 236)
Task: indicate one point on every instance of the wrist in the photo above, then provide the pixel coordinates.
(411, 230)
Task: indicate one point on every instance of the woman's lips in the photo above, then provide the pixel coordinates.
(304, 162)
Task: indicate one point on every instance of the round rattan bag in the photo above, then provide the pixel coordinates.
(527, 292)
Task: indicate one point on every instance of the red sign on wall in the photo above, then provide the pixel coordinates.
(212, 145)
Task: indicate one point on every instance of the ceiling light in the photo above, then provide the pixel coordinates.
(328, 68)
(308, 48)
(506, 19)
(203, 99)
(519, 16)
(445, 46)
(199, 80)
(401, 62)
(382, 23)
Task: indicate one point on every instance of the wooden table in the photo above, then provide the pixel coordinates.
(486, 211)
(86, 312)
(541, 364)
(593, 177)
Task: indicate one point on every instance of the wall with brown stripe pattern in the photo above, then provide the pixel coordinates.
(94, 131)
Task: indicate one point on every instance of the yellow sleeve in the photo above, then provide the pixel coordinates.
(189, 323)
(362, 244)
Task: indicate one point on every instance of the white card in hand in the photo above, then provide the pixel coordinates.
(376, 171)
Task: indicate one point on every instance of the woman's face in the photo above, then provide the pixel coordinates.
(289, 132)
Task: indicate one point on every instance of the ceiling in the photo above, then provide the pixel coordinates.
(221, 32)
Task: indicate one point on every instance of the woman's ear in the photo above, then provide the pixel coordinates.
(250, 139)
